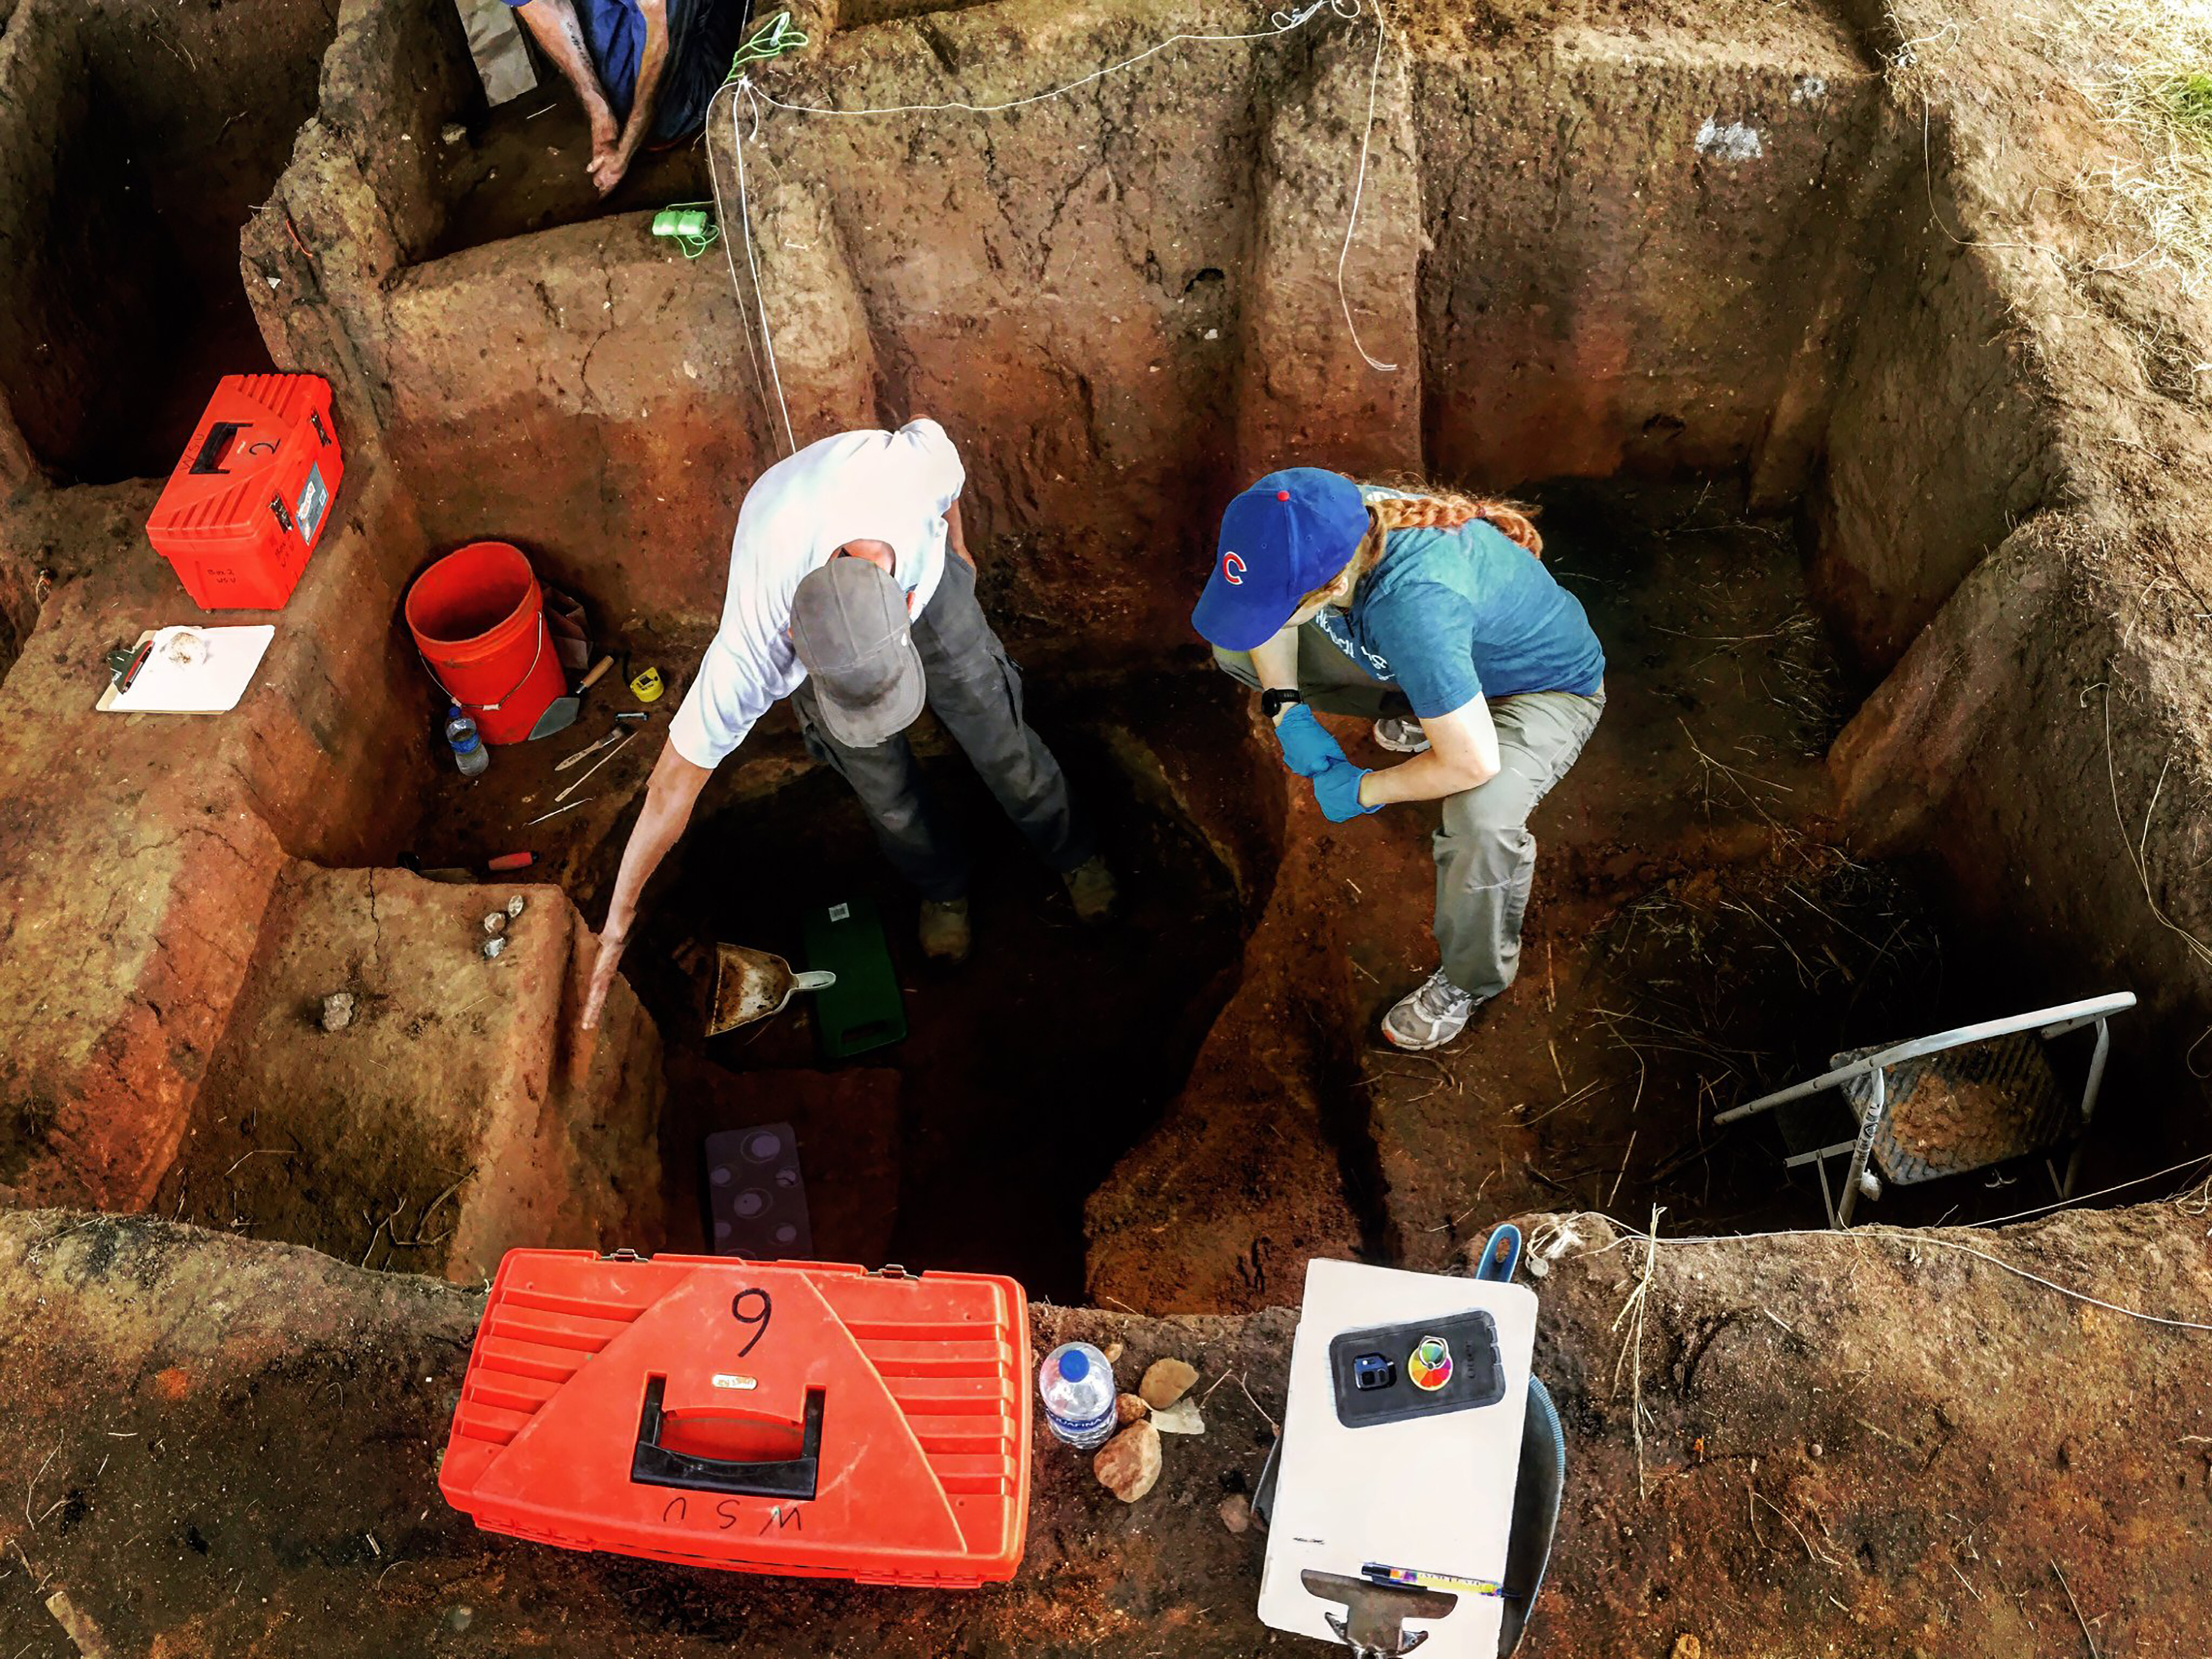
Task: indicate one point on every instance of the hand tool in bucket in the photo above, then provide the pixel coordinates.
(751, 985)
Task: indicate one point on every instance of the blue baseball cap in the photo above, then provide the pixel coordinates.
(1288, 534)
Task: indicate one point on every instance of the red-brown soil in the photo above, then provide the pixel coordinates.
(1887, 1445)
(1893, 448)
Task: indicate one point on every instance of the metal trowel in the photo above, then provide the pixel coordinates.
(750, 985)
(561, 713)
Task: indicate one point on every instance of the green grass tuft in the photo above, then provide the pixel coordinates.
(2186, 100)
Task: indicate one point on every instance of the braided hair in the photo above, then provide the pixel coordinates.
(1426, 507)
(1444, 510)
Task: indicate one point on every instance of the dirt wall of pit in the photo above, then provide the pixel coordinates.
(1646, 245)
(44, 357)
(1943, 438)
(135, 139)
(1118, 323)
(137, 854)
(2007, 515)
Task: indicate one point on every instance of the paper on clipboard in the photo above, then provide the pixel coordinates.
(211, 686)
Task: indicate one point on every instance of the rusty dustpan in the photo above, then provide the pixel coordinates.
(750, 985)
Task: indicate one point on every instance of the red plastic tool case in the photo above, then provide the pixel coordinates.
(249, 500)
(781, 1418)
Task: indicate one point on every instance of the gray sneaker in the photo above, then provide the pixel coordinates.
(945, 934)
(1400, 734)
(1431, 1017)
(1090, 886)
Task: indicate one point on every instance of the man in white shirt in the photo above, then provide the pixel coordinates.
(841, 597)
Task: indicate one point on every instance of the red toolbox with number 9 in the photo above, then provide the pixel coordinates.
(777, 1418)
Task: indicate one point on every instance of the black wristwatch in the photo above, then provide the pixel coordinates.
(1273, 703)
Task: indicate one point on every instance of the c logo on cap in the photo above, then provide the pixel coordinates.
(1232, 569)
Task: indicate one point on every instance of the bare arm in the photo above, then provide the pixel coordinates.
(557, 29)
(607, 170)
(1276, 662)
(1462, 754)
(670, 795)
(955, 536)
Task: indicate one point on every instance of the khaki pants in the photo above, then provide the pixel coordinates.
(1486, 857)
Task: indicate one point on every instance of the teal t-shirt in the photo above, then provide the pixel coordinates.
(1450, 615)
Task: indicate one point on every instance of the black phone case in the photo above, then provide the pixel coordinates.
(1478, 1377)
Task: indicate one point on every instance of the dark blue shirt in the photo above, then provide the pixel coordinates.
(1451, 615)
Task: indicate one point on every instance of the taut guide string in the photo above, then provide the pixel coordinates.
(777, 37)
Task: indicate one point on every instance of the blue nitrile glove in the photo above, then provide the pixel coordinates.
(1308, 749)
(1336, 787)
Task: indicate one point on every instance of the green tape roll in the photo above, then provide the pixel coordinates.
(683, 224)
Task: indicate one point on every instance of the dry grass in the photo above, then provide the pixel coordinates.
(2146, 65)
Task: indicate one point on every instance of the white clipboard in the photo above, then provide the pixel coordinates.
(212, 685)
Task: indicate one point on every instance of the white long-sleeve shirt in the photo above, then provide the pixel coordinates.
(890, 487)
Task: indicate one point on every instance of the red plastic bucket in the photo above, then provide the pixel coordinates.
(479, 621)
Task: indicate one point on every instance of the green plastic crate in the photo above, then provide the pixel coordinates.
(864, 1009)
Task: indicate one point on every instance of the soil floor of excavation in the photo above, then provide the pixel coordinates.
(1697, 935)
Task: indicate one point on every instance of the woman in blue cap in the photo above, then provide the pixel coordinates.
(1429, 614)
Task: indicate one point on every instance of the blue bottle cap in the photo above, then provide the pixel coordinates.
(1075, 1364)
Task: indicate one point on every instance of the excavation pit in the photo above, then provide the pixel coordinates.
(520, 168)
(1702, 932)
(1873, 460)
(137, 142)
(1736, 423)
(973, 1143)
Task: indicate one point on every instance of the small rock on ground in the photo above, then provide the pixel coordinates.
(1181, 1417)
(1166, 1381)
(338, 1010)
(1127, 1408)
(1129, 1464)
(1237, 1513)
(1687, 1647)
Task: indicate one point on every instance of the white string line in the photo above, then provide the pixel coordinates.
(1358, 189)
(2077, 1295)
(760, 298)
(1899, 1236)
(744, 88)
(1282, 23)
(730, 255)
(2076, 1201)
(2083, 1198)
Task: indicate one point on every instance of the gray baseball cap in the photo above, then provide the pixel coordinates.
(850, 626)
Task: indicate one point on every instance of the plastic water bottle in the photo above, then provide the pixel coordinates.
(1078, 1386)
(469, 751)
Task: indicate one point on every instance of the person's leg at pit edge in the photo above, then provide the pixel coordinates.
(926, 850)
(976, 692)
(1485, 862)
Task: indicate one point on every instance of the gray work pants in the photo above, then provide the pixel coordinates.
(976, 692)
(1486, 857)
